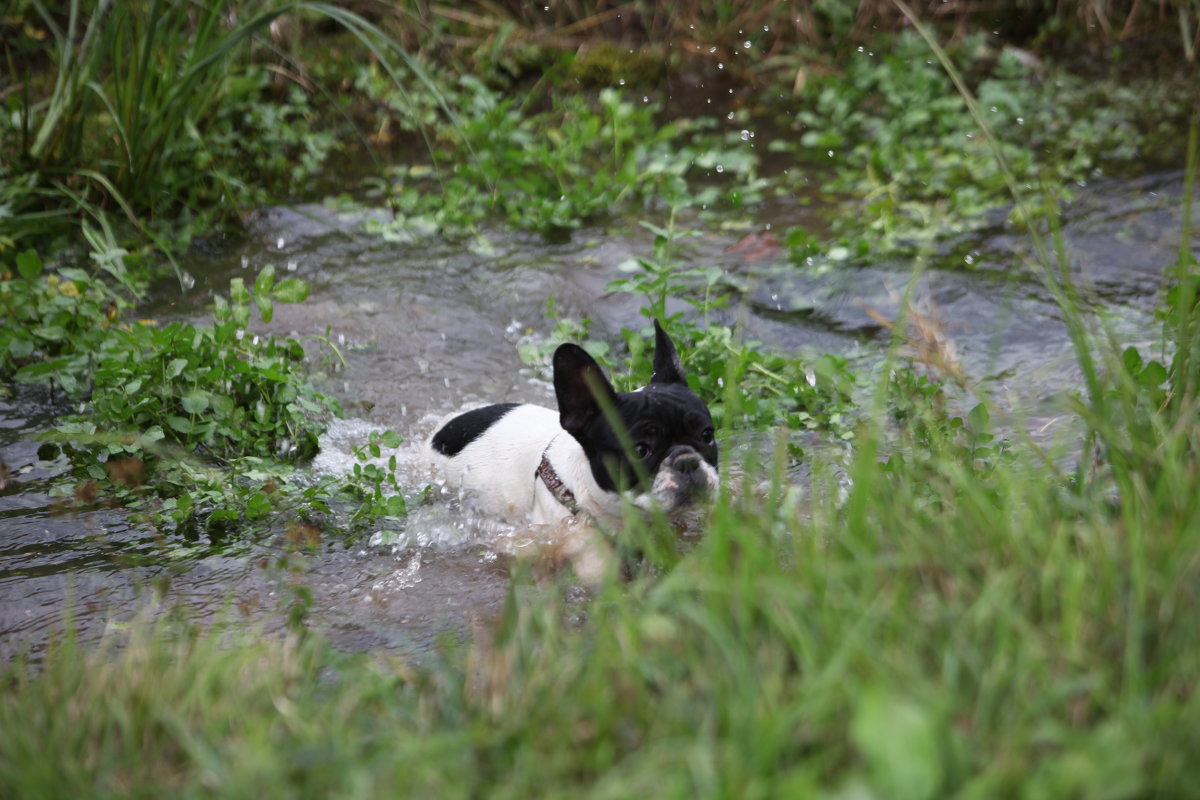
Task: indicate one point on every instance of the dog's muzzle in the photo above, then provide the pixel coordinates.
(684, 478)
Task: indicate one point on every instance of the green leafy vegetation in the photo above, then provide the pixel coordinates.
(582, 160)
(57, 320)
(903, 145)
(953, 611)
(191, 426)
(375, 487)
(174, 122)
(955, 625)
(220, 390)
(146, 123)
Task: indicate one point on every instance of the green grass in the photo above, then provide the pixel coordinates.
(948, 629)
(946, 618)
(169, 117)
(955, 612)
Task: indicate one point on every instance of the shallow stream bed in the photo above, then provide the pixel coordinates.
(429, 326)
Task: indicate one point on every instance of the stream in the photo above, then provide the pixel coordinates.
(429, 326)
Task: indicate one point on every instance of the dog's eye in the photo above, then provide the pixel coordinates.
(642, 449)
(707, 436)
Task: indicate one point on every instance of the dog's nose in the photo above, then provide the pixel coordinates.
(686, 461)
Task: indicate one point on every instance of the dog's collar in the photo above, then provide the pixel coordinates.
(545, 472)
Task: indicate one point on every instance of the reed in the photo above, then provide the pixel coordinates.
(145, 115)
(958, 619)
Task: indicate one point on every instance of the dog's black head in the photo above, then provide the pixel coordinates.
(669, 427)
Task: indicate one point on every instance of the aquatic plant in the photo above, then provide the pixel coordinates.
(949, 619)
(160, 112)
(191, 427)
(902, 148)
(56, 320)
(582, 160)
(916, 628)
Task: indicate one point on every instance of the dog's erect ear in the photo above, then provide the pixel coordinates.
(578, 382)
(667, 366)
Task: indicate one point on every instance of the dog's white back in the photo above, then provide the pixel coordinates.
(497, 471)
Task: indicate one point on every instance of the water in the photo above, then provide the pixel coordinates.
(426, 327)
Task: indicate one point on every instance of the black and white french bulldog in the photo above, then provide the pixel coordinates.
(534, 465)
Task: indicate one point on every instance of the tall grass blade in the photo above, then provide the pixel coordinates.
(1184, 315)
(1057, 284)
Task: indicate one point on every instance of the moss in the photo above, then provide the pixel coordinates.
(608, 63)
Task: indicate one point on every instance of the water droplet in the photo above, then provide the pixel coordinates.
(830, 154)
(645, 99)
(745, 136)
(766, 28)
(747, 45)
(291, 266)
(729, 115)
(279, 243)
(712, 49)
(1020, 120)
(861, 48)
(994, 109)
(621, 82)
(720, 66)
(720, 167)
(970, 259)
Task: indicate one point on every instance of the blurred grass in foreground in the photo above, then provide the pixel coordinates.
(962, 622)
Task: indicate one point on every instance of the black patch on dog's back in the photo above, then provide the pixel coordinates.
(467, 427)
